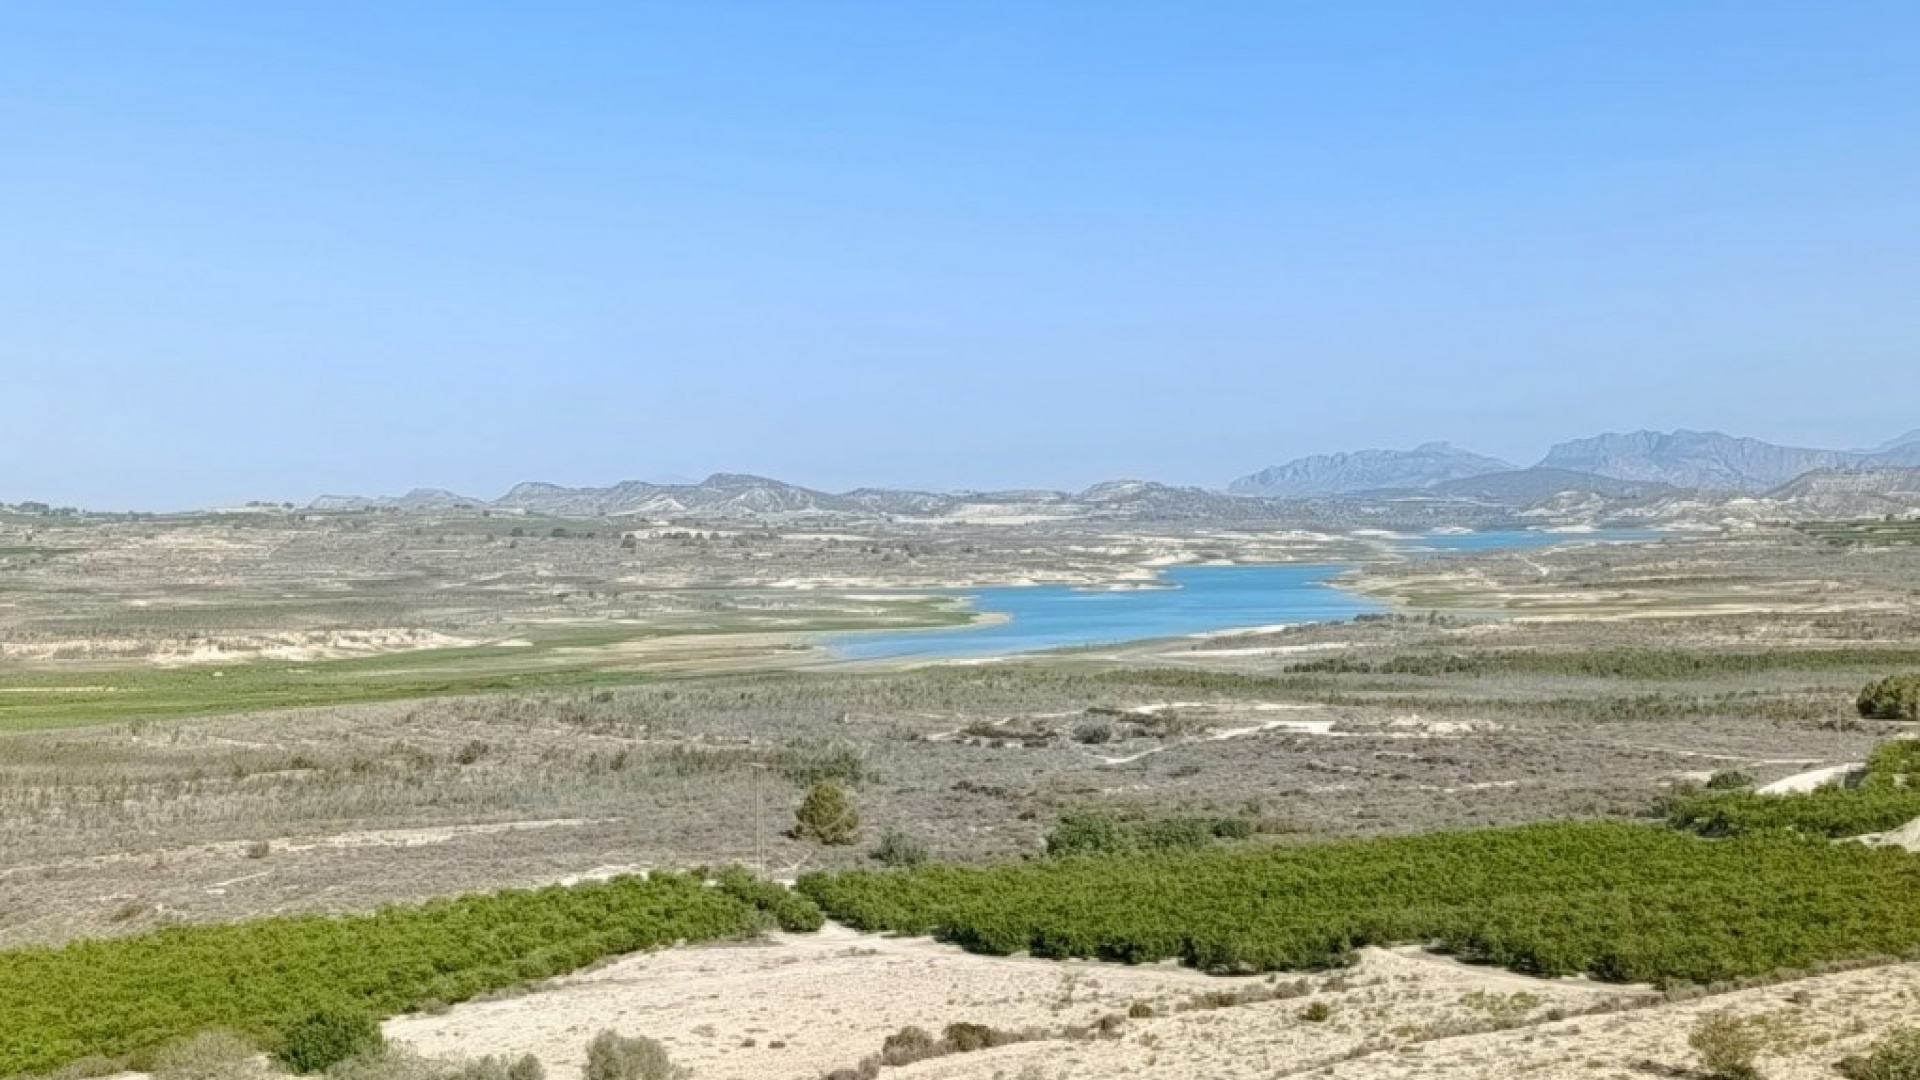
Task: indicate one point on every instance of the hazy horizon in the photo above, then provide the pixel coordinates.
(681, 479)
(279, 252)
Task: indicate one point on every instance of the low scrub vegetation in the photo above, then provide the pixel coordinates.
(296, 984)
(612, 1056)
(912, 1044)
(402, 1063)
(898, 848)
(1615, 901)
(1616, 663)
(1895, 1057)
(1111, 834)
(1728, 1046)
(210, 1055)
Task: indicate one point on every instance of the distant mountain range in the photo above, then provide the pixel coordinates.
(1703, 460)
(1367, 470)
(734, 498)
(1638, 478)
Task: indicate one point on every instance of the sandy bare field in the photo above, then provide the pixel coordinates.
(800, 1006)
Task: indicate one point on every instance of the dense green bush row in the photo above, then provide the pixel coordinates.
(1888, 796)
(1616, 663)
(1894, 763)
(1830, 812)
(115, 997)
(788, 909)
(1614, 900)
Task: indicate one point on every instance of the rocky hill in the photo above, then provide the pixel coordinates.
(1368, 470)
(1850, 493)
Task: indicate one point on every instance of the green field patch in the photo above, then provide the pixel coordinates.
(560, 657)
(60, 695)
(1612, 900)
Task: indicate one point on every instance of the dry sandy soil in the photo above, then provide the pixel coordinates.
(798, 1007)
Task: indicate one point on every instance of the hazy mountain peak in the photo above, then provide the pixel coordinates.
(1911, 438)
(739, 480)
(1367, 470)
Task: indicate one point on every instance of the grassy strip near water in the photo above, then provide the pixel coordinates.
(56, 695)
(65, 694)
(112, 998)
(1616, 901)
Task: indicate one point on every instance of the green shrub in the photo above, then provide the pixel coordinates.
(1896, 697)
(323, 1039)
(827, 816)
(1895, 1057)
(1317, 1013)
(1729, 780)
(1234, 829)
(611, 1056)
(1088, 834)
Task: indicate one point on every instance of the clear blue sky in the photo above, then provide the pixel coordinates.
(269, 250)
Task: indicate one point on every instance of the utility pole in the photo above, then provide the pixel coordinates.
(759, 834)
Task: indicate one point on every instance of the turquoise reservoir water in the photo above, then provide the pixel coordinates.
(1188, 600)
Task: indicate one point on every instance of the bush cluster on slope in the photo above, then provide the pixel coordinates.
(1894, 698)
